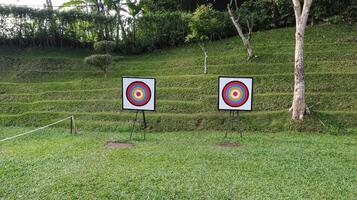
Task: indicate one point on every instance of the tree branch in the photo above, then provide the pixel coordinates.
(235, 22)
(297, 10)
(305, 12)
(250, 27)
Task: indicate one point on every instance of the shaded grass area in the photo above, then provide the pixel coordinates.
(181, 165)
(40, 85)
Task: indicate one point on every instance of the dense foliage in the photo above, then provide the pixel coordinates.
(203, 23)
(149, 24)
(156, 31)
(23, 26)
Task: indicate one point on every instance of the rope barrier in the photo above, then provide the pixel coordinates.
(22, 134)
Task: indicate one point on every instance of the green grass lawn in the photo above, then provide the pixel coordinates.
(180, 165)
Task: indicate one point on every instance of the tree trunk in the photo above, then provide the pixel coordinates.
(105, 71)
(246, 41)
(299, 107)
(120, 21)
(249, 48)
(205, 53)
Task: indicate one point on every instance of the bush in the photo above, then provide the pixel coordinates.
(104, 46)
(101, 61)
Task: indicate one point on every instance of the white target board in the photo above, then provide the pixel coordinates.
(235, 93)
(138, 93)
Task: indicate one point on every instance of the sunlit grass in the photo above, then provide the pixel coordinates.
(287, 165)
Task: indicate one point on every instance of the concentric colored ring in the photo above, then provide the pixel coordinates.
(235, 93)
(138, 93)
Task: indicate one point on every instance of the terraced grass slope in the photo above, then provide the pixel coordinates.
(38, 86)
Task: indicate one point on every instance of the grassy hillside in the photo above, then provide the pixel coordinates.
(38, 86)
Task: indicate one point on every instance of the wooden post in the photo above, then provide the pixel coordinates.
(71, 124)
(74, 125)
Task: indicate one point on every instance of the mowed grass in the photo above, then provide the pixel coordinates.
(180, 165)
(40, 85)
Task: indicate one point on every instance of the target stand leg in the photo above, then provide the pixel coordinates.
(238, 123)
(143, 124)
(133, 129)
(230, 122)
(231, 119)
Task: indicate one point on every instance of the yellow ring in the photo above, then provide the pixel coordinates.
(142, 92)
(230, 93)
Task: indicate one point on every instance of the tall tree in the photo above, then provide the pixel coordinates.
(203, 23)
(119, 8)
(134, 8)
(299, 107)
(236, 23)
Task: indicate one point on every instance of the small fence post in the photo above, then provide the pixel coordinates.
(71, 124)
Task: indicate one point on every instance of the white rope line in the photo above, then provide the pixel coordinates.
(10, 138)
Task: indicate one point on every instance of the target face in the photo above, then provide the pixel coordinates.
(235, 93)
(138, 93)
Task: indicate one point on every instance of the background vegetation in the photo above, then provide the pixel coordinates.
(149, 24)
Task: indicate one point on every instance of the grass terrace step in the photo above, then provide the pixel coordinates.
(253, 121)
(99, 94)
(244, 68)
(268, 83)
(236, 49)
(201, 103)
(97, 106)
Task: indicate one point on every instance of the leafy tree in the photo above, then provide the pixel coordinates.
(203, 23)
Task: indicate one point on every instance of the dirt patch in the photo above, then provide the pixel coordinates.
(118, 145)
(229, 144)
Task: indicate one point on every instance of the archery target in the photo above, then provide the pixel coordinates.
(235, 93)
(138, 93)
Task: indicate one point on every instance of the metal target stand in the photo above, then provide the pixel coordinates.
(147, 96)
(233, 102)
(231, 119)
(143, 123)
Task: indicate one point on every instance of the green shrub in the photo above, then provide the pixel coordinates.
(101, 61)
